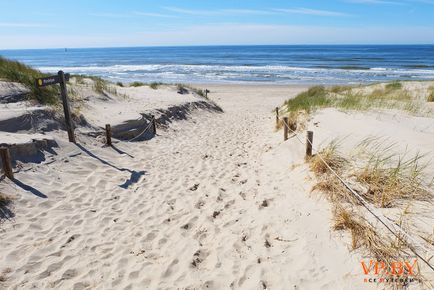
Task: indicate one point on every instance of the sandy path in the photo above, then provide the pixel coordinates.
(210, 204)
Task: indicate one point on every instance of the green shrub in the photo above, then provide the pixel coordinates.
(137, 84)
(120, 84)
(155, 85)
(394, 86)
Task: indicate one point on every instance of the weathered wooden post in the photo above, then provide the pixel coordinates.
(206, 93)
(309, 143)
(154, 125)
(285, 128)
(61, 78)
(7, 163)
(108, 134)
(277, 116)
(66, 110)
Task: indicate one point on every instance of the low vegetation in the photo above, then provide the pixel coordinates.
(391, 178)
(137, 84)
(155, 85)
(15, 71)
(4, 199)
(330, 156)
(430, 94)
(365, 236)
(392, 95)
(383, 179)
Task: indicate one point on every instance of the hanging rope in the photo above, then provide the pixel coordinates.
(393, 228)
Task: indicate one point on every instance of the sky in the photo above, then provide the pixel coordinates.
(26, 24)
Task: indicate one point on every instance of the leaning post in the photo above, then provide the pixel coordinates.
(108, 134)
(66, 110)
(277, 116)
(154, 125)
(309, 143)
(7, 163)
(285, 128)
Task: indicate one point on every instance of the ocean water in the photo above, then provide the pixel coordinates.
(307, 64)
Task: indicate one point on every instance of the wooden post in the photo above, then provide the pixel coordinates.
(285, 128)
(66, 110)
(277, 116)
(108, 134)
(6, 161)
(309, 142)
(154, 125)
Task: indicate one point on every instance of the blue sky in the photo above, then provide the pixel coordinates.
(98, 23)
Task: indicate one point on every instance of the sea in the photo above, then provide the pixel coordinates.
(277, 64)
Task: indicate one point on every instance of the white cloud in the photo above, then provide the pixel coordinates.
(193, 11)
(150, 14)
(308, 11)
(218, 12)
(240, 34)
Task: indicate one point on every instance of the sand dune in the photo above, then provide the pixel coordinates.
(217, 201)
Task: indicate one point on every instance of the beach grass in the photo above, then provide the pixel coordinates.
(396, 85)
(430, 94)
(390, 177)
(137, 84)
(390, 96)
(364, 235)
(155, 85)
(329, 155)
(15, 71)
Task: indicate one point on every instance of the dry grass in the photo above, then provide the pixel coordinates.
(334, 190)
(364, 235)
(430, 97)
(329, 155)
(390, 178)
(4, 199)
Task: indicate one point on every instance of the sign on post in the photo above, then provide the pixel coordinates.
(61, 79)
(51, 80)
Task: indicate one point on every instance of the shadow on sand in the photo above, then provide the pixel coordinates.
(135, 175)
(5, 210)
(120, 151)
(29, 188)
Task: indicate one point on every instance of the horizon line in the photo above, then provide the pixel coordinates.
(225, 45)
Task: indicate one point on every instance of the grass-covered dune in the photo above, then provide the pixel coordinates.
(15, 71)
(416, 98)
(391, 95)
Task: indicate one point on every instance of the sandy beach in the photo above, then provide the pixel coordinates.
(216, 200)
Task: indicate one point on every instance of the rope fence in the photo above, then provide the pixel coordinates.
(152, 123)
(395, 229)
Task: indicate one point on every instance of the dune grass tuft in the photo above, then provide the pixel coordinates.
(392, 95)
(365, 235)
(15, 71)
(396, 85)
(331, 156)
(430, 94)
(315, 97)
(4, 199)
(137, 84)
(390, 177)
(155, 85)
